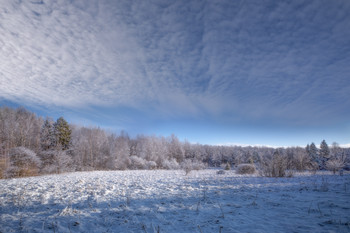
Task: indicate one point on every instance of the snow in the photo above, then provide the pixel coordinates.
(170, 201)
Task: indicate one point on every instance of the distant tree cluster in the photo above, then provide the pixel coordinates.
(31, 145)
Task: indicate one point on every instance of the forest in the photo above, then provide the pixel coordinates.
(31, 145)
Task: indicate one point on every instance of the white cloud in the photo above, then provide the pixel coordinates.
(67, 57)
(251, 60)
(252, 145)
(345, 145)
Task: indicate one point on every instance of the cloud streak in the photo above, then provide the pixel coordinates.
(230, 60)
(62, 55)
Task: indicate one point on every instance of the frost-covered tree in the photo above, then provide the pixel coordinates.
(23, 162)
(239, 156)
(55, 161)
(314, 156)
(307, 149)
(18, 128)
(301, 159)
(324, 155)
(60, 145)
(137, 162)
(47, 135)
(336, 150)
(170, 164)
(121, 151)
(337, 158)
(335, 164)
(274, 165)
(175, 149)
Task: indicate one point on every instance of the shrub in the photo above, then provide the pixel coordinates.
(275, 166)
(137, 162)
(227, 167)
(151, 165)
(55, 161)
(197, 165)
(170, 164)
(188, 165)
(140, 163)
(245, 168)
(335, 164)
(23, 162)
(220, 172)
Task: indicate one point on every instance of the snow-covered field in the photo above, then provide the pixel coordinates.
(169, 201)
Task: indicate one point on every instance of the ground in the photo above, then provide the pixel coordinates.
(170, 201)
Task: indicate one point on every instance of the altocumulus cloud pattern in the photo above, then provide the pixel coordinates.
(284, 60)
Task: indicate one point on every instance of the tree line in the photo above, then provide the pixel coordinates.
(31, 145)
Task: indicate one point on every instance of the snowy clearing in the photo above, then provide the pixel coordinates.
(169, 201)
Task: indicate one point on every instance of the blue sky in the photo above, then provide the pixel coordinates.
(215, 72)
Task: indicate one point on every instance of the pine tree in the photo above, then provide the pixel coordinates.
(324, 154)
(313, 153)
(63, 133)
(307, 149)
(47, 135)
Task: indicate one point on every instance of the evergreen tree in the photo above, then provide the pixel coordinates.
(47, 135)
(307, 149)
(313, 153)
(63, 133)
(324, 154)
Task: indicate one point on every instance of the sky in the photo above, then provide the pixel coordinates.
(221, 72)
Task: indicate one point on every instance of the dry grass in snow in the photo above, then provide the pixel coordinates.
(170, 201)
